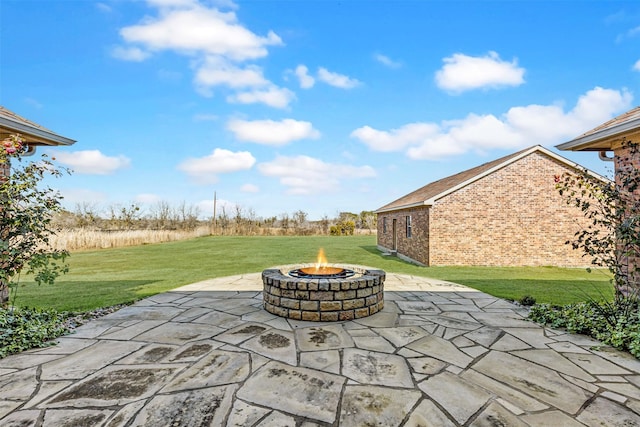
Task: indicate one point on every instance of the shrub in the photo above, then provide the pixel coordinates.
(602, 320)
(26, 210)
(343, 228)
(612, 240)
(25, 328)
(527, 300)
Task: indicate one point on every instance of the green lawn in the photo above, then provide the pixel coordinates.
(113, 276)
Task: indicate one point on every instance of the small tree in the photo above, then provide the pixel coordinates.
(612, 240)
(299, 220)
(26, 210)
(368, 220)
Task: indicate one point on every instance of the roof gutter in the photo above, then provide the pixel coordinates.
(434, 199)
(577, 143)
(39, 133)
(603, 156)
(409, 206)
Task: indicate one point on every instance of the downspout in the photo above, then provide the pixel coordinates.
(603, 156)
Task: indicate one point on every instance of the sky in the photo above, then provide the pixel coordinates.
(321, 106)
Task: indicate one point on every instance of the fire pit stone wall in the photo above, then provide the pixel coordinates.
(323, 300)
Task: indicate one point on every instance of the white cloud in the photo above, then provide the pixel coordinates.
(270, 132)
(102, 7)
(307, 175)
(461, 73)
(386, 61)
(636, 66)
(249, 188)
(228, 4)
(194, 28)
(519, 127)
(206, 207)
(147, 198)
(92, 162)
(337, 80)
(633, 32)
(130, 53)
(217, 43)
(217, 71)
(205, 169)
(33, 102)
(172, 3)
(302, 73)
(169, 76)
(80, 195)
(272, 96)
(395, 139)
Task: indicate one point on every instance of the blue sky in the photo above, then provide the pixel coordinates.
(324, 106)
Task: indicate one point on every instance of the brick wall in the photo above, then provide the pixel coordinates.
(415, 247)
(513, 216)
(625, 158)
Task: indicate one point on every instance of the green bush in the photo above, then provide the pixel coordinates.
(343, 228)
(25, 328)
(617, 324)
(26, 212)
(527, 300)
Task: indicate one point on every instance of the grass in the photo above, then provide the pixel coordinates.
(113, 276)
(82, 239)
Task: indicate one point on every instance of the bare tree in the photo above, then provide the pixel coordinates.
(324, 224)
(367, 220)
(188, 216)
(123, 217)
(223, 220)
(284, 222)
(299, 221)
(252, 221)
(86, 215)
(238, 220)
(160, 215)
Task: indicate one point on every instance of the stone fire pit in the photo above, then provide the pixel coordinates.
(323, 299)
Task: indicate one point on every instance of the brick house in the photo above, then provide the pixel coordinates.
(506, 212)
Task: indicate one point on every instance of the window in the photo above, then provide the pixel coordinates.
(408, 225)
(384, 224)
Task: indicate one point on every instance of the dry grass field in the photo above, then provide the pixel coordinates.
(83, 239)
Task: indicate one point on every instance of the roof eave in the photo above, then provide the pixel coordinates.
(582, 143)
(53, 138)
(463, 184)
(409, 206)
(431, 201)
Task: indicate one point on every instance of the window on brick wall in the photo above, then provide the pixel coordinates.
(408, 225)
(384, 224)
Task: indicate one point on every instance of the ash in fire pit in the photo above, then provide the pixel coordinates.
(323, 292)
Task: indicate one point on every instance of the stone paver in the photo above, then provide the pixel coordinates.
(439, 354)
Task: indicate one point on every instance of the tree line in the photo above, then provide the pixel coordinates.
(229, 220)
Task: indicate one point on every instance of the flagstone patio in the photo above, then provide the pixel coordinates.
(438, 354)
